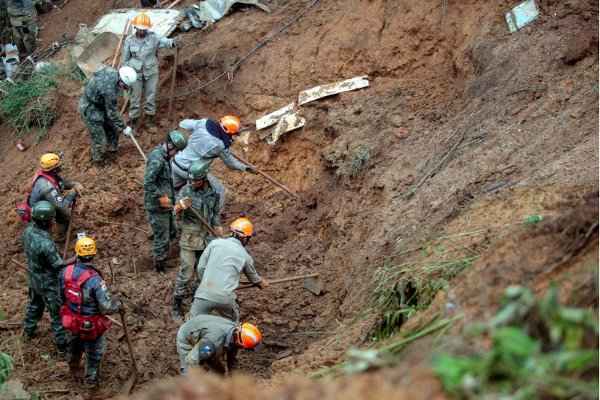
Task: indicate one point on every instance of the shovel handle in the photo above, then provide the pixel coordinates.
(282, 280)
(205, 222)
(138, 147)
(129, 345)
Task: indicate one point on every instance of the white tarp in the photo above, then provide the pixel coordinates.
(521, 15)
(272, 118)
(214, 10)
(287, 123)
(318, 92)
(163, 21)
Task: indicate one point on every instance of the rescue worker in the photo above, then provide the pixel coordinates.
(44, 264)
(210, 139)
(23, 19)
(50, 186)
(140, 52)
(86, 301)
(206, 339)
(159, 196)
(219, 268)
(199, 195)
(98, 109)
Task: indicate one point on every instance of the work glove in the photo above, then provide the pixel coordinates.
(70, 198)
(164, 201)
(78, 188)
(183, 204)
(128, 131)
(117, 304)
(263, 284)
(250, 169)
(176, 42)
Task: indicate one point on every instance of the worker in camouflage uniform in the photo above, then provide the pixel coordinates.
(159, 196)
(219, 268)
(23, 19)
(50, 186)
(44, 264)
(98, 109)
(206, 339)
(86, 302)
(140, 51)
(198, 196)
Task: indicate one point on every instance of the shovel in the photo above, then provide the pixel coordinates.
(312, 283)
(188, 202)
(138, 146)
(128, 386)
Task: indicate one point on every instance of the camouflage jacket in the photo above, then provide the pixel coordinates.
(99, 100)
(44, 190)
(157, 179)
(141, 53)
(43, 259)
(205, 201)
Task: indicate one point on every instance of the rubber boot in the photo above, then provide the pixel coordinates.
(92, 375)
(150, 121)
(177, 311)
(133, 123)
(159, 265)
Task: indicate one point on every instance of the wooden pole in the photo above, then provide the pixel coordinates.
(121, 40)
(268, 177)
(173, 80)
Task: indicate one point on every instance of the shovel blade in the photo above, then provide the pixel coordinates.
(313, 285)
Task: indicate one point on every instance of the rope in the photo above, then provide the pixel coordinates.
(260, 45)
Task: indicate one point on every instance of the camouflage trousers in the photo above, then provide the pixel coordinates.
(25, 32)
(229, 310)
(163, 228)
(146, 85)
(191, 245)
(105, 137)
(94, 350)
(38, 301)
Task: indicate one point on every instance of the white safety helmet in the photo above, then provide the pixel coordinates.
(127, 75)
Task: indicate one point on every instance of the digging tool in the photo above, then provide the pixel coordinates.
(188, 203)
(173, 80)
(69, 230)
(134, 371)
(268, 177)
(118, 50)
(311, 283)
(138, 146)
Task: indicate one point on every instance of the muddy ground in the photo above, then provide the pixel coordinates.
(464, 126)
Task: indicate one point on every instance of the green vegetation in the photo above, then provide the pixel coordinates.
(539, 349)
(30, 103)
(6, 367)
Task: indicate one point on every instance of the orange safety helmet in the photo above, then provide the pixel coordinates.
(248, 336)
(242, 226)
(230, 124)
(142, 21)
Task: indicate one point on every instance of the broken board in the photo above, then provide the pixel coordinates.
(318, 92)
(272, 118)
(287, 123)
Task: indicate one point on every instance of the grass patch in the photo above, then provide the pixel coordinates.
(539, 350)
(30, 104)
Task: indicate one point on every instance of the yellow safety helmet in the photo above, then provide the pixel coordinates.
(142, 21)
(49, 161)
(242, 226)
(85, 247)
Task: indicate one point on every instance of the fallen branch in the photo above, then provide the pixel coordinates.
(10, 324)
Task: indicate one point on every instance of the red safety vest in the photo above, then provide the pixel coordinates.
(87, 327)
(24, 209)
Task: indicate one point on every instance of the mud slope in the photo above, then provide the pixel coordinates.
(459, 113)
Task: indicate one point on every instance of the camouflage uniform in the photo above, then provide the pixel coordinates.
(43, 190)
(98, 109)
(96, 300)
(157, 182)
(194, 234)
(141, 55)
(44, 264)
(23, 19)
(202, 328)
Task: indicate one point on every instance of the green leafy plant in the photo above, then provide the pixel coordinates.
(30, 103)
(539, 349)
(6, 367)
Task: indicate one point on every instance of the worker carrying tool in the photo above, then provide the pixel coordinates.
(159, 196)
(210, 139)
(98, 109)
(219, 269)
(197, 197)
(23, 19)
(49, 185)
(140, 52)
(86, 301)
(206, 340)
(44, 264)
